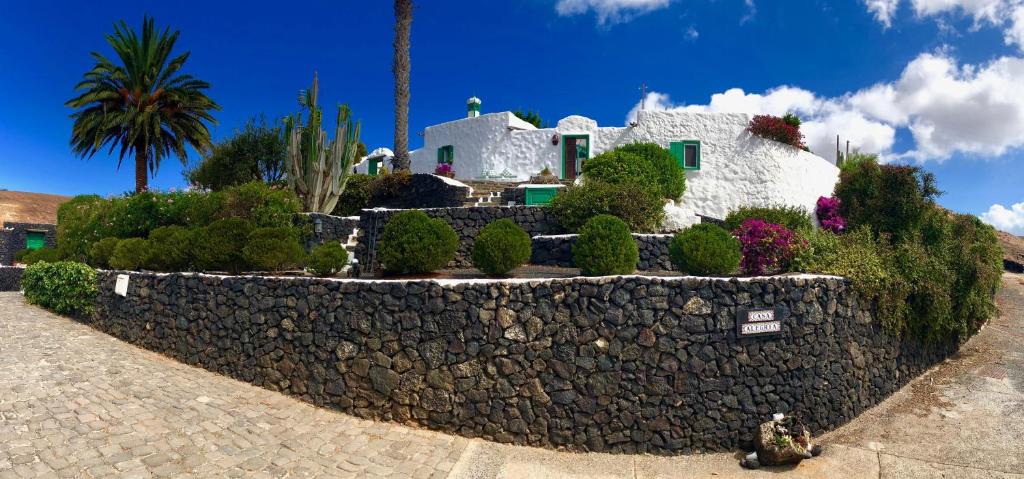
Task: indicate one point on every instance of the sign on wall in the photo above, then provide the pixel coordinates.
(759, 322)
(121, 286)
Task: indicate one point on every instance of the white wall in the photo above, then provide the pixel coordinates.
(737, 168)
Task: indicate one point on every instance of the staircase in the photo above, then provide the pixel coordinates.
(486, 193)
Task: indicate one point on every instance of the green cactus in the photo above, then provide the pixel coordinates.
(318, 169)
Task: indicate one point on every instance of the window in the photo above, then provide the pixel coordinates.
(445, 154)
(687, 153)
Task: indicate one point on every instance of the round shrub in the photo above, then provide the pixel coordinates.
(356, 196)
(414, 243)
(605, 247)
(767, 247)
(793, 218)
(327, 259)
(47, 255)
(639, 206)
(501, 247)
(218, 247)
(274, 249)
(64, 287)
(100, 252)
(170, 249)
(705, 249)
(671, 178)
(130, 254)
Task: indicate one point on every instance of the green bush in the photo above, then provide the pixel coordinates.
(130, 254)
(218, 247)
(705, 249)
(265, 206)
(274, 249)
(101, 251)
(640, 207)
(414, 243)
(357, 195)
(671, 178)
(501, 247)
(793, 218)
(20, 255)
(605, 246)
(79, 224)
(171, 249)
(890, 199)
(40, 255)
(976, 261)
(327, 259)
(64, 287)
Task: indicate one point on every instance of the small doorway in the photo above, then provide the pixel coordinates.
(575, 152)
(35, 240)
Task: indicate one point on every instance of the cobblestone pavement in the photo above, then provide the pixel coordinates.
(77, 403)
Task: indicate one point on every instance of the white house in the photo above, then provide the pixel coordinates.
(726, 166)
(372, 163)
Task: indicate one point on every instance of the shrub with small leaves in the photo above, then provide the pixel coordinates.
(794, 218)
(40, 255)
(274, 249)
(705, 249)
(639, 206)
(64, 287)
(414, 243)
(218, 247)
(170, 249)
(605, 247)
(327, 260)
(130, 254)
(778, 129)
(101, 251)
(501, 247)
(827, 211)
(767, 247)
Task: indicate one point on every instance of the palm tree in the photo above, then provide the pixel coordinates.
(143, 105)
(400, 67)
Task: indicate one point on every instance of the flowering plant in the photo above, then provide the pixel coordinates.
(829, 218)
(766, 246)
(778, 129)
(444, 169)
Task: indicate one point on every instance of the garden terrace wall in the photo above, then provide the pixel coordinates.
(556, 250)
(333, 228)
(466, 221)
(618, 364)
(10, 278)
(426, 191)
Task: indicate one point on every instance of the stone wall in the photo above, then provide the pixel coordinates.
(467, 222)
(13, 236)
(333, 228)
(618, 364)
(557, 251)
(10, 278)
(425, 191)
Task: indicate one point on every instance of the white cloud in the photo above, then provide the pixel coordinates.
(692, 33)
(1005, 14)
(1007, 219)
(609, 11)
(884, 10)
(751, 11)
(946, 107)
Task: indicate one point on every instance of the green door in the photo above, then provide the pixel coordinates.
(372, 167)
(35, 240)
(540, 196)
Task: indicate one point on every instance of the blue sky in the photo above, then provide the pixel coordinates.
(926, 81)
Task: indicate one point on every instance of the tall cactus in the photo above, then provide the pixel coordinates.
(318, 169)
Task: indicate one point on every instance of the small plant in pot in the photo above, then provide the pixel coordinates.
(444, 169)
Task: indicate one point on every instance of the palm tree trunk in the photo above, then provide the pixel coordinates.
(400, 67)
(141, 170)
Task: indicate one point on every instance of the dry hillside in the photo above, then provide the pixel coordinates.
(22, 207)
(1013, 251)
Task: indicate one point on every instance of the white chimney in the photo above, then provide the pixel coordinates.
(473, 107)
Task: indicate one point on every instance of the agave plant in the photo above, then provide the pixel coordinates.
(318, 169)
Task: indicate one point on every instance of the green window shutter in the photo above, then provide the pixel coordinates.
(686, 153)
(445, 154)
(35, 240)
(676, 149)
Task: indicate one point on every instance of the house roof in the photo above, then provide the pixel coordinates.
(24, 207)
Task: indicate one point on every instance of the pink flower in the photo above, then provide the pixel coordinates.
(766, 246)
(827, 211)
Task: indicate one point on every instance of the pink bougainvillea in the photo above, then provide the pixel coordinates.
(776, 128)
(767, 247)
(444, 169)
(829, 218)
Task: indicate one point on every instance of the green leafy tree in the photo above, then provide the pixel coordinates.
(144, 106)
(254, 153)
